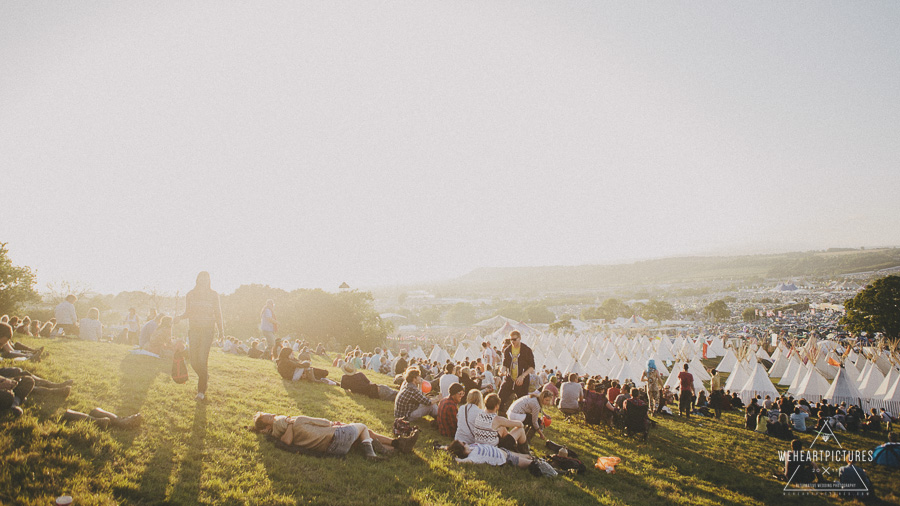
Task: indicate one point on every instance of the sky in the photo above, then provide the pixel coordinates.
(305, 144)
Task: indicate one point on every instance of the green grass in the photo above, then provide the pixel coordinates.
(189, 453)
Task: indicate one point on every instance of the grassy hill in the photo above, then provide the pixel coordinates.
(531, 280)
(201, 453)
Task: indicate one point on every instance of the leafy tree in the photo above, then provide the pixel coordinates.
(461, 313)
(749, 315)
(318, 316)
(614, 308)
(591, 313)
(512, 311)
(539, 314)
(16, 284)
(876, 308)
(431, 315)
(718, 310)
(562, 326)
(658, 310)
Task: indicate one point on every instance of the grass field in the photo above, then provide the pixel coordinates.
(201, 453)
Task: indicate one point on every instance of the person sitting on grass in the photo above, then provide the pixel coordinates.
(448, 409)
(762, 421)
(411, 403)
(798, 420)
(324, 437)
(161, 339)
(572, 395)
(294, 370)
(47, 328)
(528, 410)
(24, 327)
(11, 349)
(465, 418)
(856, 479)
(780, 429)
(487, 454)
(492, 429)
(90, 328)
(798, 467)
(872, 421)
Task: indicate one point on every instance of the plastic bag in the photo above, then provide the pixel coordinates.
(607, 464)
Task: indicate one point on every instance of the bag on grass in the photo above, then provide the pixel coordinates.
(402, 427)
(554, 447)
(540, 467)
(567, 464)
(179, 368)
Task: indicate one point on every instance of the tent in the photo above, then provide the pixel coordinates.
(738, 378)
(758, 384)
(887, 454)
(437, 354)
(813, 387)
(870, 383)
(779, 367)
(843, 390)
(791, 370)
(727, 364)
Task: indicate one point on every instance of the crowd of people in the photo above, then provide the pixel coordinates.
(489, 408)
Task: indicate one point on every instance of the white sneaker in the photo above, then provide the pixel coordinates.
(200, 396)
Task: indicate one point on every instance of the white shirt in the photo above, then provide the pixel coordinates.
(264, 324)
(488, 380)
(91, 330)
(65, 313)
(446, 381)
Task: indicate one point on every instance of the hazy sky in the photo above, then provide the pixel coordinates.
(377, 143)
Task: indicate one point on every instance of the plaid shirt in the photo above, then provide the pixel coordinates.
(409, 398)
(446, 417)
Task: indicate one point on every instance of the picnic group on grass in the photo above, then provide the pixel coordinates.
(489, 409)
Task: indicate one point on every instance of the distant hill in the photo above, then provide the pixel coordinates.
(530, 280)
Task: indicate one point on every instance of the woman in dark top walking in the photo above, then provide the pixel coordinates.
(204, 313)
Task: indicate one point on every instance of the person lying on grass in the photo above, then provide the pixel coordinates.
(322, 436)
(16, 385)
(487, 454)
(11, 349)
(356, 382)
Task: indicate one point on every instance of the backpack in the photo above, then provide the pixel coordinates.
(540, 467)
(568, 464)
(402, 427)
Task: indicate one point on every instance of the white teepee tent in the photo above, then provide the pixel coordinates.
(843, 390)
(758, 384)
(813, 387)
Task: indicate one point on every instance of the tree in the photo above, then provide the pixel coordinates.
(16, 284)
(614, 308)
(749, 315)
(561, 326)
(537, 313)
(717, 310)
(875, 309)
(461, 313)
(658, 310)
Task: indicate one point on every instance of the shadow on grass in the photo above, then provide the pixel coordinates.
(137, 373)
(187, 487)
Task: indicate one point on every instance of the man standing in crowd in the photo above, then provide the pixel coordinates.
(518, 364)
(269, 326)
